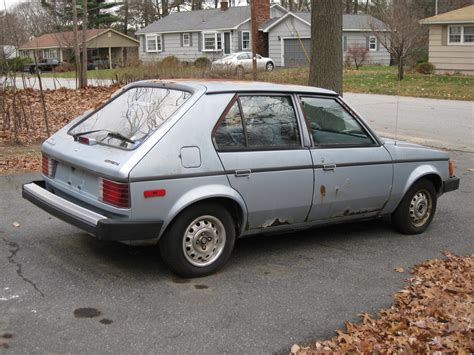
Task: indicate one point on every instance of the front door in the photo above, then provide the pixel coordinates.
(259, 143)
(226, 42)
(352, 172)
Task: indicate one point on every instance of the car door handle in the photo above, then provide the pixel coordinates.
(329, 167)
(243, 173)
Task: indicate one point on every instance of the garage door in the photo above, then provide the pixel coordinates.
(295, 54)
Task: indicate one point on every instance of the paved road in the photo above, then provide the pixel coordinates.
(440, 123)
(276, 290)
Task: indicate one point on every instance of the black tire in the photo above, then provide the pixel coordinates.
(269, 66)
(409, 217)
(172, 244)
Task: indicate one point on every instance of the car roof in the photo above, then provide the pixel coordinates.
(226, 86)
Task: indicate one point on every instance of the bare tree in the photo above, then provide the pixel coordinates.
(358, 55)
(326, 33)
(399, 31)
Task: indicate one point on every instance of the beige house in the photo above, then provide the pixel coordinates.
(451, 41)
(106, 47)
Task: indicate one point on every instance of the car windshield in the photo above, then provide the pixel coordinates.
(128, 119)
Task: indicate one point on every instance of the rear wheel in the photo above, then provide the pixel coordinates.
(417, 208)
(269, 66)
(199, 241)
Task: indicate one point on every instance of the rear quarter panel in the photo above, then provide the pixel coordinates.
(162, 167)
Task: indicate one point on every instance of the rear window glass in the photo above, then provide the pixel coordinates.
(131, 117)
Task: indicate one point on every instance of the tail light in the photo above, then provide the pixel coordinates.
(48, 166)
(451, 169)
(114, 193)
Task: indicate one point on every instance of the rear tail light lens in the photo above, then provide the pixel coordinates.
(114, 193)
(451, 168)
(48, 166)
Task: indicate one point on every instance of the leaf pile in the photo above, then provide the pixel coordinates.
(434, 313)
(23, 110)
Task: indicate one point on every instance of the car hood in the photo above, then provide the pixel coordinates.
(401, 150)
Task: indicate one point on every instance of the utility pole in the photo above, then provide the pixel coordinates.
(436, 7)
(84, 46)
(253, 17)
(77, 56)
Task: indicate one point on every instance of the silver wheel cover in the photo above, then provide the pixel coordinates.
(204, 240)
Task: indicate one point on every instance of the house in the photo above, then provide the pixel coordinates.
(105, 46)
(8, 51)
(451, 41)
(289, 38)
(282, 35)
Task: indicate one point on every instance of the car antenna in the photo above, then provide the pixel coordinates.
(398, 109)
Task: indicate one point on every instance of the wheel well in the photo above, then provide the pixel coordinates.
(232, 206)
(434, 179)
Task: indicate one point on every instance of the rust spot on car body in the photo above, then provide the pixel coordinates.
(322, 191)
(274, 223)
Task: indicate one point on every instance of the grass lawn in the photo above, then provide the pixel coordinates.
(368, 79)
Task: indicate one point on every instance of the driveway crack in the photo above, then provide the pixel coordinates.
(13, 249)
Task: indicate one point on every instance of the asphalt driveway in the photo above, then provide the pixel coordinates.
(275, 291)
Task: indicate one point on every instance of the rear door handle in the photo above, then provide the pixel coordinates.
(243, 173)
(329, 167)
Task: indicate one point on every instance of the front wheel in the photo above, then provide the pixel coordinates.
(417, 208)
(199, 241)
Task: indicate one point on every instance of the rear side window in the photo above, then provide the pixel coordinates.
(332, 125)
(131, 117)
(259, 122)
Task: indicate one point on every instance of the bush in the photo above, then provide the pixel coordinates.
(202, 62)
(14, 64)
(64, 67)
(170, 61)
(425, 68)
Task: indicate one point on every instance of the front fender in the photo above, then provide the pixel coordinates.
(405, 175)
(202, 193)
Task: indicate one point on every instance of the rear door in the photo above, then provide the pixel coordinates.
(258, 139)
(352, 171)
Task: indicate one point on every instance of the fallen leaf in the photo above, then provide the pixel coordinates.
(16, 224)
(295, 348)
(399, 269)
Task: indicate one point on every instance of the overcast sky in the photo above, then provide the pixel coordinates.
(10, 3)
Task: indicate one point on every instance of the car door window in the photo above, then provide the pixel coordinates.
(243, 56)
(270, 121)
(230, 133)
(331, 125)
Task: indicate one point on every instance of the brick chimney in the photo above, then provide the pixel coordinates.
(262, 14)
(224, 5)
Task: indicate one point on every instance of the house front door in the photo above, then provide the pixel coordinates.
(226, 42)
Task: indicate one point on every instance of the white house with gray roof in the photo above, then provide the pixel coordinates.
(283, 35)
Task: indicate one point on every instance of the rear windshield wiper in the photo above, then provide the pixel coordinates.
(110, 134)
(120, 136)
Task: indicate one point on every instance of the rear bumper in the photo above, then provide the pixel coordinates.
(100, 226)
(451, 184)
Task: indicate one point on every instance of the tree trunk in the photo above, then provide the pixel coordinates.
(400, 68)
(125, 17)
(164, 8)
(326, 34)
(84, 46)
(77, 56)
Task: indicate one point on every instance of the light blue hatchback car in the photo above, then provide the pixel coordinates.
(194, 165)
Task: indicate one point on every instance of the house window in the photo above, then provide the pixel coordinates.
(212, 42)
(186, 40)
(51, 53)
(372, 43)
(245, 40)
(455, 34)
(153, 43)
(468, 35)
